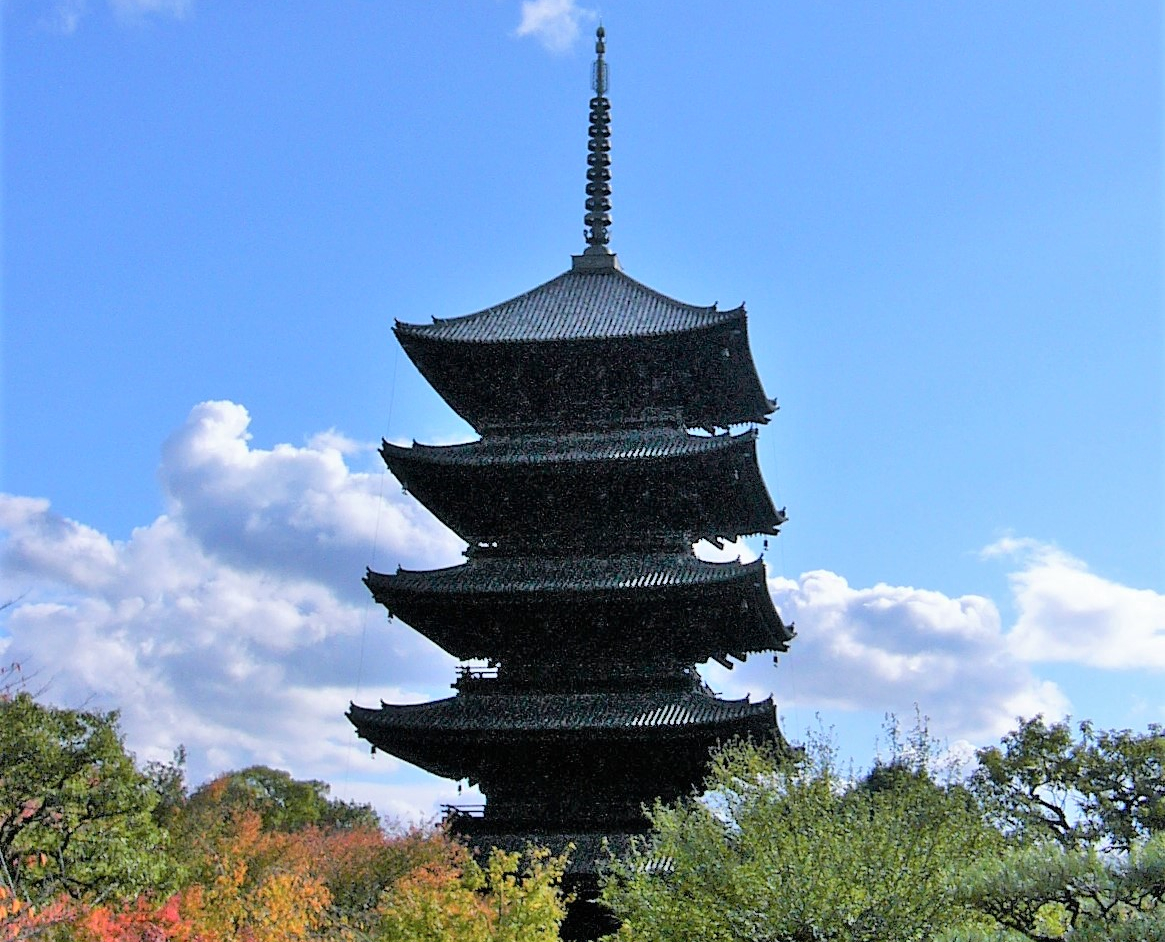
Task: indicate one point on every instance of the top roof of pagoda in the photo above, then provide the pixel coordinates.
(600, 303)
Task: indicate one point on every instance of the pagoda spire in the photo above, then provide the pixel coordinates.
(598, 215)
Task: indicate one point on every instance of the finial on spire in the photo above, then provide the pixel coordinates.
(599, 73)
(598, 215)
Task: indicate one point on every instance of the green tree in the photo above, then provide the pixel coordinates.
(75, 813)
(283, 803)
(168, 780)
(1085, 820)
(791, 849)
(1104, 790)
(1043, 892)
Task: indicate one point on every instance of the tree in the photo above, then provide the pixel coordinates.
(253, 884)
(168, 780)
(75, 813)
(788, 848)
(266, 856)
(20, 920)
(1043, 892)
(1085, 821)
(283, 803)
(143, 920)
(358, 864)
(1103, 789)
(455, 899)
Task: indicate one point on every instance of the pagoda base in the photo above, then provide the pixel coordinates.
(586, 918)
(589, 852)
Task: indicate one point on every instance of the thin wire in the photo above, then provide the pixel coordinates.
(789, 672)
(368, 603)
(777, 488)
(374, 550)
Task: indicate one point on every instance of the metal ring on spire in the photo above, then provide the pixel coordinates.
(598, 204)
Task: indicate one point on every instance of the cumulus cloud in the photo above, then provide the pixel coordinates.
(236, 623)
(889, 648)
(1066, 613)
(297, 511)
(554, 23)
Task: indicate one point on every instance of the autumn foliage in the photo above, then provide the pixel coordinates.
(1057, 835)
(455, 899)
(92, 849)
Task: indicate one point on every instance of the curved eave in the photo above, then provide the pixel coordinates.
(537, 579)
(610, 486)
(452, 737)
(592, 714)
(476, 617)
(701, 376)
(563, 450)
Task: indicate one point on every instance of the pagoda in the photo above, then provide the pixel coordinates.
(605, 412)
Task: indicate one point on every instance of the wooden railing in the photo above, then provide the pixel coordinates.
(465, 672)
(468, 811)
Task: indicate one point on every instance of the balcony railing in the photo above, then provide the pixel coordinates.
(471, 674)
(462, 811)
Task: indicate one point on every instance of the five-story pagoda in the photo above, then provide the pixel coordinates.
(581, 503)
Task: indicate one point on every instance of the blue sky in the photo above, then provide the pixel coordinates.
(945, 221)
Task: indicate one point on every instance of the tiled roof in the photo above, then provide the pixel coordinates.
(529, 574)
(577, 305)
(579, 447)
(628, 711)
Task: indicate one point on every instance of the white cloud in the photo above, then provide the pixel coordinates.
(725, 552)
(62, 551)
(889, 648)
(1066, 613)
(139, 8)
(554, 23)
(65, 16)
(297, 511)
(236, 623)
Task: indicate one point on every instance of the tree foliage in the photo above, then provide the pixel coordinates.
(506, 901)
(1043, 892)
(94, 850)
(254, 884)
(1058, 835)
(1085, 820)
(1102, 789)
(75, 812)
(20, 919)
(791, 849)
(358, 865)
(283, 803)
